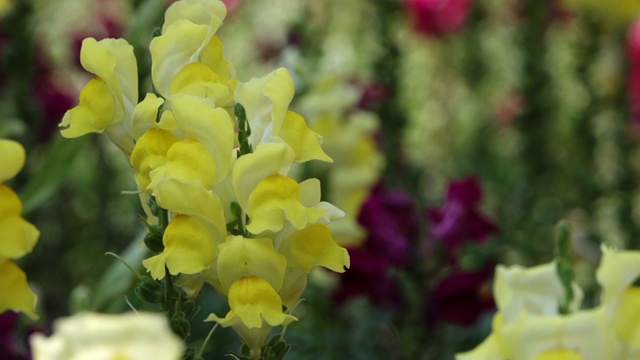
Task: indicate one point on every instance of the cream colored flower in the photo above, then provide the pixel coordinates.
(91, 336)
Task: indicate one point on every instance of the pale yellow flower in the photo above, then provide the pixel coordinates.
(107, 101)
(90, 336)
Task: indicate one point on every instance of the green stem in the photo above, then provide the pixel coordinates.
(206, 340)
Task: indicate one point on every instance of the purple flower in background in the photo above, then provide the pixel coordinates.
(462, 296)
(633, 80)
(390, 221)
(10, 347)
(438, 17)
(459, 220)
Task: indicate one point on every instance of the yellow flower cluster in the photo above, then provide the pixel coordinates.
(18, 236)
(237, 220)
(528, 324)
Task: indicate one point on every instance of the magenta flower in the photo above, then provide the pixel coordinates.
(633, 80)
(10, 347)
(459, 220)
(390, 220)
(438, 17)
(461, 297)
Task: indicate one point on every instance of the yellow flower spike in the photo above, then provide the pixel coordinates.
(255, 309)
(145, 115)
(313, 247)
(189, 248)
(16, 294)
(149, 153)
(198, 80)
(106, 102)
(240, 257)
(276, 199)
(186, 160)
(266, 101)
(304, 141)
(211, 126)
(12, 157)
(193, 199)
(210, 13)
(174, 49)
(267, 159)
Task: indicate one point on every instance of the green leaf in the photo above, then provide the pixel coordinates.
(53, 170)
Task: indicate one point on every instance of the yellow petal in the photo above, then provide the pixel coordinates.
(191, 198)
(276, 199)
(313, 247)
(210, 13)
(626, 318)
(295, 281)
(588, 332)
(266, 101)
(14, 290)
(187, 160)
(559, 354)
(113, 61)
(210, 126)
(18, 235)
(12, 157)
(536, 291)
(212, 57)
(253, 302)
(97, 110)
(189, 248)
(145, 115)
(305, 142)
(268, 159)
(149, 153)
(10, 204)
(198, 80)
(617, 271)
(174, 49)
(240, 257)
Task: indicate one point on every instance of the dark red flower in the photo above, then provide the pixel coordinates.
(459, 220)
(438, 17)
(390, 221)
(462, 296)
(633, 80)
(10, 346)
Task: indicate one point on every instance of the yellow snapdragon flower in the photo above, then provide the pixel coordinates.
(528, 325)
(18, 236)
(107, 101)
